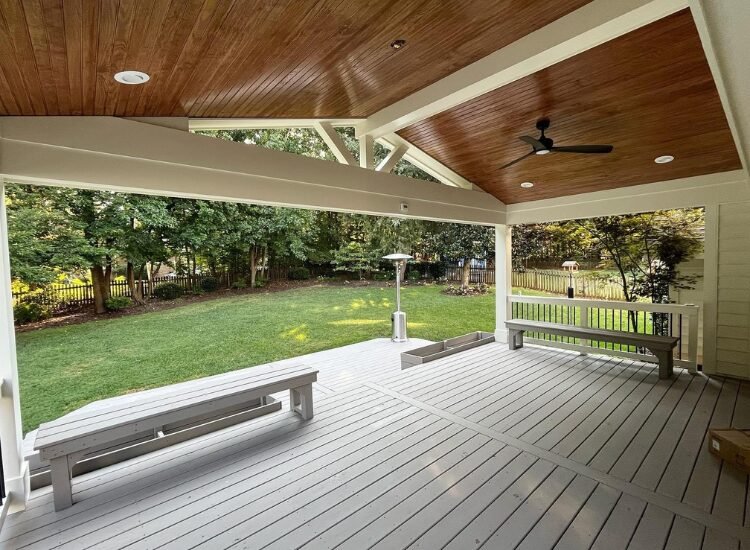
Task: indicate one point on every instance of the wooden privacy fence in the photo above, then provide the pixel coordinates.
(478, 275)
(556, 282)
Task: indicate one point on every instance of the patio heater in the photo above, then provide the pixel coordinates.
(398, 317)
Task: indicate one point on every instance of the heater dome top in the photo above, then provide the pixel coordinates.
(396, 257)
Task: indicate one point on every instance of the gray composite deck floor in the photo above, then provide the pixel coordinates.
(531, 449)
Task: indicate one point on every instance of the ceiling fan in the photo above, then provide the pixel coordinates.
(544, 145)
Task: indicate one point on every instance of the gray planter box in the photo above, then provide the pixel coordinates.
(445, 348)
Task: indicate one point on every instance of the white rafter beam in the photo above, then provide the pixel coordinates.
(395, 155)
(722, 27)
(264, 123)
(426, 163)
(335, 143)
(595, 23)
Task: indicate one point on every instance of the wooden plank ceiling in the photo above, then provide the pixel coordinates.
(245, 58)
(648, 93)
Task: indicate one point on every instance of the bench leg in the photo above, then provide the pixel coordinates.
(301, 401)
(515, 339)
(62, 487)
(666, 364)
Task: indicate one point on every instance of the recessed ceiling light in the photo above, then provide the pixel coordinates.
(398, 44)
(527, 185)
(663, 159)
(132, 77)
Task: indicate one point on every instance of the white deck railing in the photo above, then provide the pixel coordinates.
(645, 318)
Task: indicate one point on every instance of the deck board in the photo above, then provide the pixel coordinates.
(387, 462)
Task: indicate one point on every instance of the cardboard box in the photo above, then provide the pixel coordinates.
(731, 445)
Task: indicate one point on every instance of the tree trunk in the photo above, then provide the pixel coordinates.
(253, 265)
(466, 273)
(136, 293)
(100, 279)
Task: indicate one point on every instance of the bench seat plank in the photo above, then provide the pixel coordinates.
(661, 346)
(63, 441)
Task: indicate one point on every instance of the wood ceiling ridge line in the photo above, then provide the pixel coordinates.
(203, 95)
(73, 36)
(267, 101)
(157, 14)
(194, 54)
(240, 89)
(365, 48)
(181, 33)
(120, 53)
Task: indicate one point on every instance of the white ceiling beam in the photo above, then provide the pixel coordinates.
(133, 157)
(395, 155)
(679, 193)
(267, 123)
(335, 143)
(723, 29)
(591, 25)
(426, 163)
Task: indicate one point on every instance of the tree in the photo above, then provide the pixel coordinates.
(353, 257)
(461, 243)
(44, 242)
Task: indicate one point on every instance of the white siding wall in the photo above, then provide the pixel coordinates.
(733, 298)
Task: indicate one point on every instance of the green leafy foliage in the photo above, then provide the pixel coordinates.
(116, 303)
(168, 291)
(299, 274)
(210, 284)
(30, 312)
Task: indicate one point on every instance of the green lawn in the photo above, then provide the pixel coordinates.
(64, 368)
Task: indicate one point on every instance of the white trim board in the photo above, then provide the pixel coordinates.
(591, 25)
(678, 193)
(122, 155)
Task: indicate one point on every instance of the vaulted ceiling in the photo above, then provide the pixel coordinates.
(245, 58)
(648, 93)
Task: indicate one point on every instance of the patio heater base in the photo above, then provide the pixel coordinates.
(398, 320)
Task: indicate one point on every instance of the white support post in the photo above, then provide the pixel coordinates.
(710, 287)
(335, 143)
(11, 433)
(367, 152)
(503, 288)
(392, 159)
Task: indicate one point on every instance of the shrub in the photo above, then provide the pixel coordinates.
(413, 276)
(30, 312)
(299, 274)
(115, 303)
(210, 284)
(471, 290)
(239, 284)
(168, 291)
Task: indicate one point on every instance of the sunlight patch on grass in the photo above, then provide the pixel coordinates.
(358, 322)
(300, 333)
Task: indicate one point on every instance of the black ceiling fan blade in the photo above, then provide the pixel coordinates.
(519, 159)
(535, 143)
(584, 149)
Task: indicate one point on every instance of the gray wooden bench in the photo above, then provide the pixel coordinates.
(64, 441)
(661, 346)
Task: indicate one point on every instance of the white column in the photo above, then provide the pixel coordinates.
(710, 287)
(367, 152)
(503, 267)
(11, 433)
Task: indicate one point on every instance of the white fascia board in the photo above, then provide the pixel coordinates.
(425, 162)
(679, 193)
(723, 30)
(591, 25)
(268, 123)
(122, 155)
